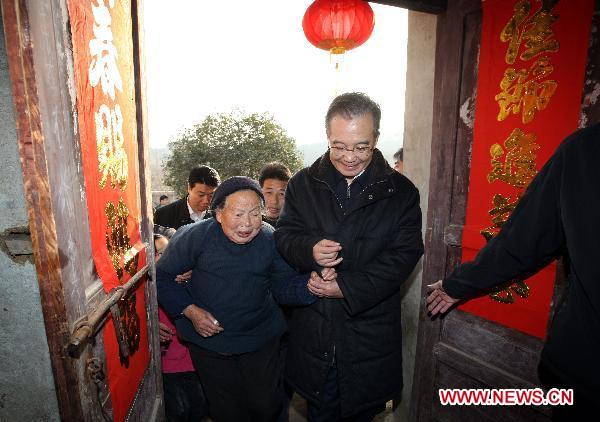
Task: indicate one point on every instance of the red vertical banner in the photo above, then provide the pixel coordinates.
(531, 72)
(103, 61)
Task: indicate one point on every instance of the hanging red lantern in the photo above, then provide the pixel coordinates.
(338, 25)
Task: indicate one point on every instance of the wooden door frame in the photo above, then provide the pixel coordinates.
(147, 224)
(426, 6)
(38, 45)
(33, 147)
(446, 154)
(449, 181)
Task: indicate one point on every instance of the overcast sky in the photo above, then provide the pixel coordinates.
(206, 57)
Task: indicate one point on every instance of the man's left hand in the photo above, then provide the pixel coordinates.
(322, 288)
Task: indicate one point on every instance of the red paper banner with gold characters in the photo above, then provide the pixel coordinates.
(530, 81)
(106, 113)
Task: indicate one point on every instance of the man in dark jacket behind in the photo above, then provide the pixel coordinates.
(349, 210)
(557, 216)
(202, 182)
(273, 180)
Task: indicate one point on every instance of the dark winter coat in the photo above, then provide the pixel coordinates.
(381, 238)
(237, 283)
(173, 215)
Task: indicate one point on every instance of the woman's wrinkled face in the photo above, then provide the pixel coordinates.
(240, 218)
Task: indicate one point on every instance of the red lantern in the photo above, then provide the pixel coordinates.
(338, 25)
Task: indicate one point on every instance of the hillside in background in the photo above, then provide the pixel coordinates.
(157, 155)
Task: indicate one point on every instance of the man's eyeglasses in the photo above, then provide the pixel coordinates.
(360, 150)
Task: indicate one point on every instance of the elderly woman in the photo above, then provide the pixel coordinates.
(227, 310)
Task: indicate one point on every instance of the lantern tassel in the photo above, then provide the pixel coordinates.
(336, 56)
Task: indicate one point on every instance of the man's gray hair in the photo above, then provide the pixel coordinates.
(353, 104)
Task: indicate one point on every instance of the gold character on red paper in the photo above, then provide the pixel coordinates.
(124, 259)
(505, 294)
(118, 241)
(503, 206)
(130, 324)
(535, 31)
(518, 168)
(112, 157)
(525, 91)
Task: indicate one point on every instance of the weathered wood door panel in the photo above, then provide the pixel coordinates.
(462, 350)
(40, 52)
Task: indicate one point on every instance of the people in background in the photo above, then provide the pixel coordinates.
(273, 181)
(557, 216)
(183, 395)
(399, 160)
(163, 200)
(350, 211)
(202, 182)
(227, 311)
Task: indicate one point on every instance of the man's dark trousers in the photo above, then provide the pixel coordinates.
(329, 410)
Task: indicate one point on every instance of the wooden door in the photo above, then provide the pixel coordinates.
(40, 38)
(462, 350)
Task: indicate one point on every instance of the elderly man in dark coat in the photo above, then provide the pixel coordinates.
(349, 210)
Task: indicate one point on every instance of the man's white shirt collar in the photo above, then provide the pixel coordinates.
(195, 216)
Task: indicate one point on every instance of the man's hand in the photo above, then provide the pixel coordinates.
(321, 288)
(328, 274)
(204, 323)
(325, 253)
(182, 278)
(438, 300)
(164, 333)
